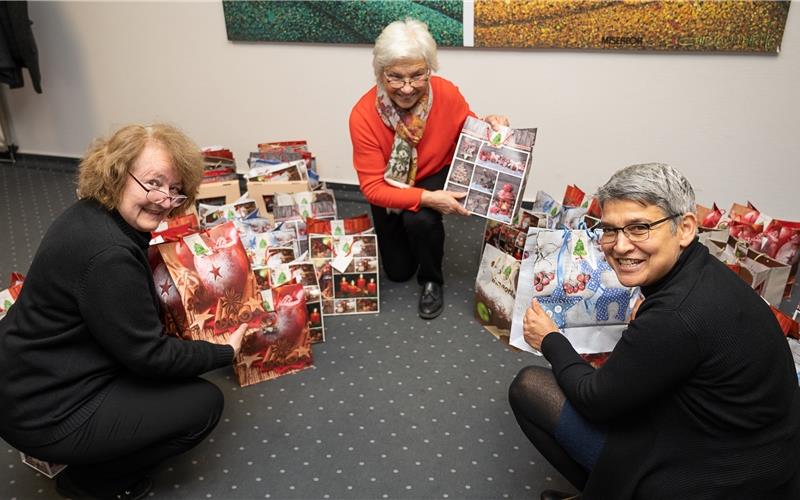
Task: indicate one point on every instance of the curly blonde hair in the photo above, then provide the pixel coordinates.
(103, 172)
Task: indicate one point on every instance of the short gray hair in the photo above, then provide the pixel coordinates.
(650, 184)
(403, 40)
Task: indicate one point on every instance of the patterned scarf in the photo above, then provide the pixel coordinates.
(408, 125)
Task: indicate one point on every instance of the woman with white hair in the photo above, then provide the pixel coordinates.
(699, 399)
(404, 132)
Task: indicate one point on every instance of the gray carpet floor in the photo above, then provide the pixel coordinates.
(395, 406)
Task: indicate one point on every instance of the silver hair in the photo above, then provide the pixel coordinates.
(403, 40)
(650, 184)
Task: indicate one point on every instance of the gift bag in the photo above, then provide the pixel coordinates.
(283, 344)
(492, 168)
(345, 256)
(708, 218)
(10, 294)
(781, 241)
(319, 204)
(304, 273)
(495, 290)
(496, 282)
(745, 222)
(213, 290)
(765, 275)
(211, 215)
(568, 274)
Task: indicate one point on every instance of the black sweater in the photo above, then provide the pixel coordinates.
(700, 394)
(88, 312)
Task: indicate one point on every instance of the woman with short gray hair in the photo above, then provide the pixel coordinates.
(699, 398)
(404, 132)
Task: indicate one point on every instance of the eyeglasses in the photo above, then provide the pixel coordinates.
(638, 231)
(416, 82)
(157, 196)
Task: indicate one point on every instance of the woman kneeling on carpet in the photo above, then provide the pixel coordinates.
(404, 132)
(699, 399)
(88, 378)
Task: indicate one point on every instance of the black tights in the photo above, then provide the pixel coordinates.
(537, 400)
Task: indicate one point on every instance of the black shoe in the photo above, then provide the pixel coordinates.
(431, 300)
(558, 495)
(69, 489)
(137, 491)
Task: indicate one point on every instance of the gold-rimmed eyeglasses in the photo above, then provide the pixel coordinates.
(157, 196)
(636, 231)
(416, 82)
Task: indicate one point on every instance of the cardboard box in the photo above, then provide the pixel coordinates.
(264, 193)
(217, 193)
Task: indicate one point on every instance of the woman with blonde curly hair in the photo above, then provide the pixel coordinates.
(88, 378)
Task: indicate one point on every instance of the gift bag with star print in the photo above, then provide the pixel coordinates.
(566, 271)
(208, 287)
(283, 344)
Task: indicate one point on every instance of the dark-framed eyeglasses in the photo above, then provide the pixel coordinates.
(157, 196)
(416, 82)
(637, 231)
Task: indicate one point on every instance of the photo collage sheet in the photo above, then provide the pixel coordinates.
(492, 167)
(346, 257)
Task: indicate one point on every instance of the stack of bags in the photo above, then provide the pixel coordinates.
(220, 184)
(233, 263)
(762, 250)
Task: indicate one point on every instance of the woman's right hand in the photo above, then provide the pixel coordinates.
(235, 340)
(444, 202)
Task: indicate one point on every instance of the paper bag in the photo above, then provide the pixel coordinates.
(568, 274)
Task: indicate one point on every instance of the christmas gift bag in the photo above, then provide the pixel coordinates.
(266, 171)
(781, 241)
(213, 282)
(709, 218)
(566, 271)
(547, 209)
(765, 275)
(214, 291)
(303, 273)
(345, 255)
(495, 290)
(211, 215)
(745, 222)
(492, 167)
(10, 294)
(320, 204)
(282, 345)
(496, 282)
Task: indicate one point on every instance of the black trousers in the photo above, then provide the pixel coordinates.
(140, 424)
(412, 242)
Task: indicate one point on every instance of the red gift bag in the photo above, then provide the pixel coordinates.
(283, 344)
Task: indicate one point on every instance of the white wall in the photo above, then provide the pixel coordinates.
(730, 122)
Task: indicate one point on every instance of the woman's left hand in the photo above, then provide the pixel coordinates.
(536, 325)
(496, 121)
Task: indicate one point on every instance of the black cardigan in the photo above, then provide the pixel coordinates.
(700, 394)
(88, 312)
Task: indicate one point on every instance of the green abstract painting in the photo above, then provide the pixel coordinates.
(352, 22)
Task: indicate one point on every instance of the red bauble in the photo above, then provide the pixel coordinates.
(226, 269)
(184, 255)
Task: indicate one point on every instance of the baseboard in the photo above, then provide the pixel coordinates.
(47, 162)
